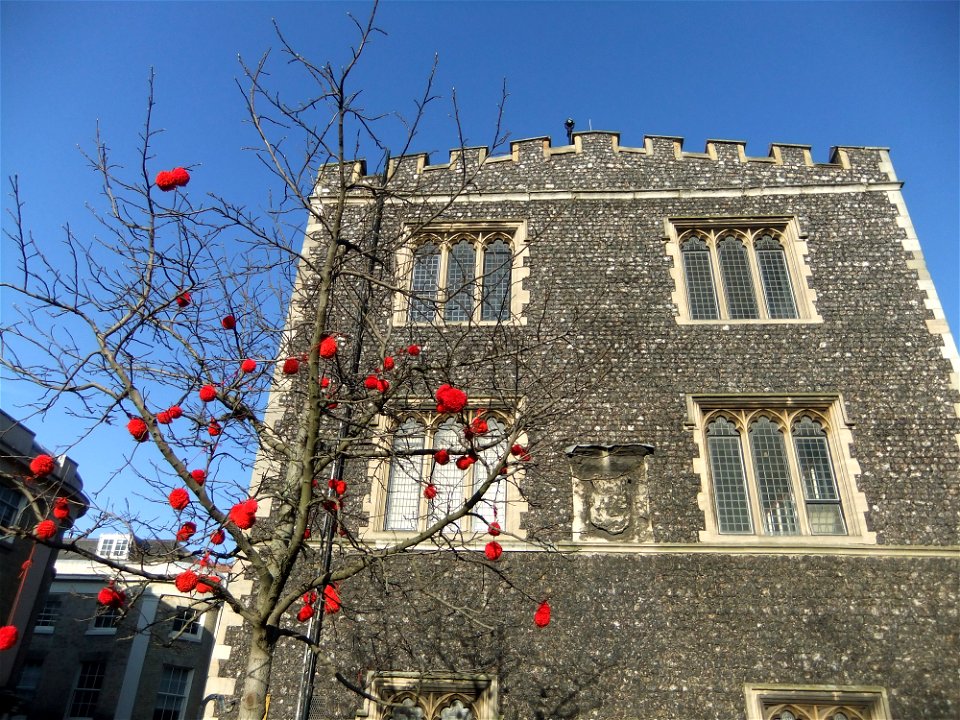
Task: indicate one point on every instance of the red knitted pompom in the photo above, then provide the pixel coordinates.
(519, 451)
(214, 429)
(441, 456)
(244, 514)
(430, 491)
(479, 426)
(450, 400)
(42, 465)
(164, 417)
(493, 550)
(542, 616)
(465, 461)
(111, 597)
(229, 322)
(179, 176)
(199, 476)
(305, 613)
(183, 299)
(175, 412)
(208, 393)
(138, 429)
(291, 366)
(413, 350)
(165, 180)
(338, 486)
(248, 365)
(382, 385)
(205, 584)
(370, 382)
(61, 508)
(328, 347)
(217, 537)
(186, 581)
(8, 636)
(45, 529)
(186, 531)
(494, 529)
(388, 363)
(331, 600)
(178, 499)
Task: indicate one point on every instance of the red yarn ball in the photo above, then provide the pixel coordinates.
(208, 393)
(61, 508)
(244, 514)
(183, 299)
(186, 531)
(186, 581)
(8, 636)
(305, 613)
(138, 429)
(248, 365)
(493, 551)
(494, 529)
(542, 616)
(229, 322)
(179, 176)
(450, 400)
(214, 429)
(430, 491)
(291, 366)
(164, 417)
(442, 456)
(413, 350)
(178, 499)
(111, 597)
(388, 363)
(217, 537)
(331, 600)
(175, 412)
(45, 529)
(199, 476)
(328, 347)
(165, 180)
(42, 465)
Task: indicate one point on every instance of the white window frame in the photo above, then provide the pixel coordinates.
(742, 410)
(761, 699)
(114, 546)
(76, 688)
(445, 235)
(191, 624)
(14, 501)
(102, 616)
(747, 229)
(47, 615)
(470, 528)
(184, 698)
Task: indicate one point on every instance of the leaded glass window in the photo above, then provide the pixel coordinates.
(406, 470)
(729, 481)
(497, 263)
(425, 285)
(777, 505)
(819, 483)
(461, 267)
(699, 276)
(737, 284)
(775, 278)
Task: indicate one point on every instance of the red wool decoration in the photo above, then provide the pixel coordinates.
(465, 461)
(382, 385)
(45, 529)
(310, 597)
(413, 350)
(183, 299)
(441, 456)
(61, 508)
(291, 366)
(186, 581)
(494, 528)
(307, 533)
(205, 584)
(208, 393)
(338, 486)
(214, 429)
(42, 465)
(450, 400)
(217, 537)
(164, 417)
(229, 322)
(519, 451)
(179, 176)
(493, 551)
(331, 600)
(542, 616)
(186, 531)
(244, 514)
(388, 363)
(248, 365)
(328, 347)
(8, 636)
(430, 491)
(138, 429)
(324, 382)
(165, 180)
(175, 412)
(199, 476)
(178, 499)
(479, 426)
(306, 612)
(371, 382)
(111, 597)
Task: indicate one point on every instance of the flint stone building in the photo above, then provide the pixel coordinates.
(753, 511)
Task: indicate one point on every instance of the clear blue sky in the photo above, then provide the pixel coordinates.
(817, 73)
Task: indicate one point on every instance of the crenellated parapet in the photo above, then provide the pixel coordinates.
(596, 160)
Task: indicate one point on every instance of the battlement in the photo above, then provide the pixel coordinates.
(597, 159)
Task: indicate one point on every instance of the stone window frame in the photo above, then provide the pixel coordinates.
(785, 229)
(379, 470)
(431, 692)
(741, 409)
(817, 702)
(480, 233)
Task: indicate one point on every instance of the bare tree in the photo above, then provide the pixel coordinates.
(220, 338)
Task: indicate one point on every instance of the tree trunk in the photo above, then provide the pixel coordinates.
(256, 680)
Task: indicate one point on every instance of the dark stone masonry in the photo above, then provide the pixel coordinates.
(664, 607)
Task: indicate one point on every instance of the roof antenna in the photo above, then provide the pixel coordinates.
(569, 125)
